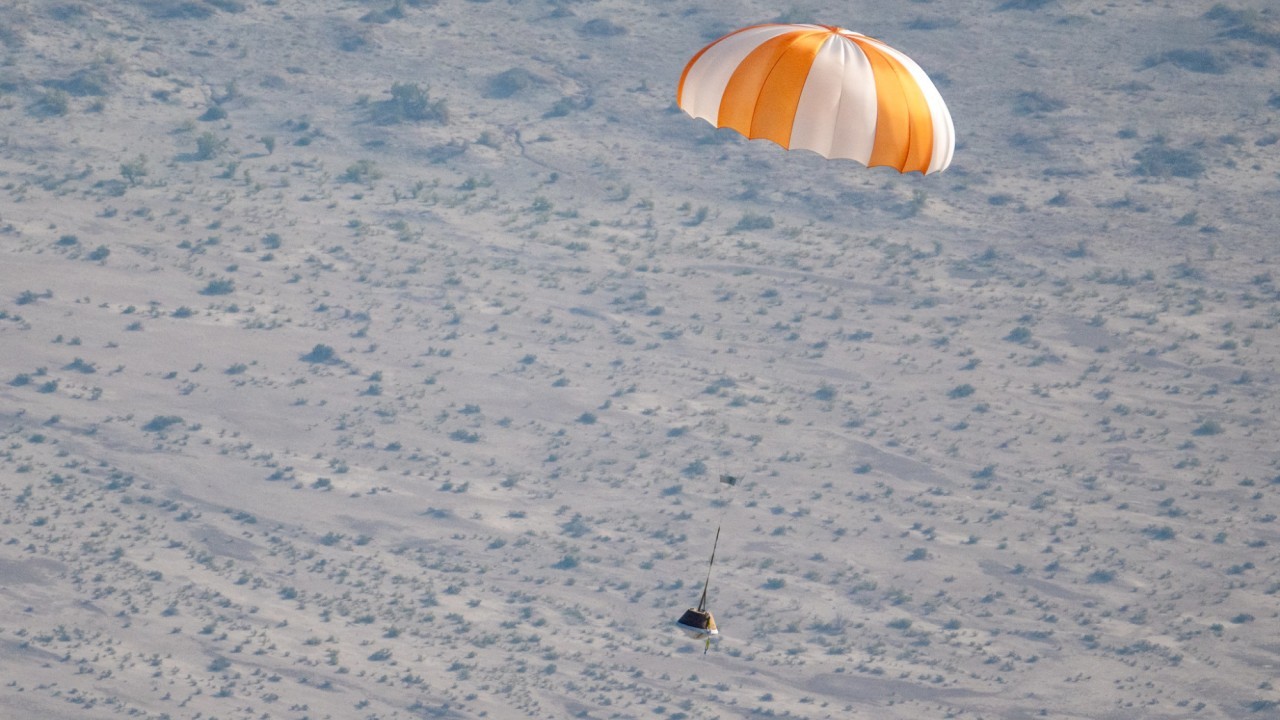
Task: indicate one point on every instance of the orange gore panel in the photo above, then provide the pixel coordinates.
(904, 125)
(761, 98)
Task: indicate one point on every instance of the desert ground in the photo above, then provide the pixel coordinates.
(376, 359)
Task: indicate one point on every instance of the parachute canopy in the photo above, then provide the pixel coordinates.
(836, 92)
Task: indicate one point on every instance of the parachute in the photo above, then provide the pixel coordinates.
(823, 88)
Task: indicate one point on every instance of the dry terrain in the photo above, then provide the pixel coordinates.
(377, 359)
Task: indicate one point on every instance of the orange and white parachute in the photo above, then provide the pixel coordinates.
(836, 92)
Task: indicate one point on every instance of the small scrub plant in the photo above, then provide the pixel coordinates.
(1020, 334)
(134, 170)
(409, 102)
(218, 287)
(321, 354)
(209, 146)
(1157, 159)
(215, 112)
(751, 221)
(1208, 427)
(160, 423)
(361, 171)
(1034, 102)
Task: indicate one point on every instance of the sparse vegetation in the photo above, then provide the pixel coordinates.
(209, 146)
(321, 355)
(1157, 159)
(413, 419)
(409, 102)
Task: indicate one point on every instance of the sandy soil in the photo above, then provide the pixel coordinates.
(307, 414)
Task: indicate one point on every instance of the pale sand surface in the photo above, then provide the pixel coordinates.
(1008, 433)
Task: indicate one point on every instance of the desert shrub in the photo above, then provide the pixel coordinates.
(602, 27)
(1023, 4)
(1020, 334)
(382, 17)
(1208, 427)
(1100, 577)
(26, 297)
(361, 171)
(215, 112)
(92, 80)
(751, 221)
(960, 391)
(160, 423)
(1249, 25)
(321, 355)
(409, 102)
(81, 365)
(568, 104)
(134, 170)
(465, 436)
(209, 146)
(222, 286)
(351, 39)
(170, 10)
(932, 23)
(1161, 532)
(52, 103)
(568, 562)
(67, 12)
(1195, 60)
(1034, 102)
(509, 82)
(1157, 159)
(99, 253)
